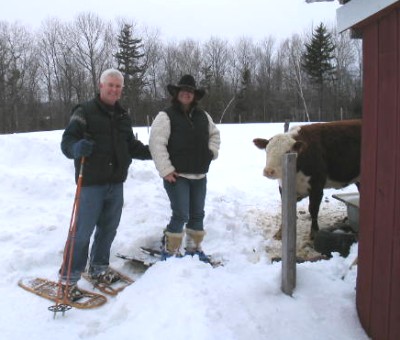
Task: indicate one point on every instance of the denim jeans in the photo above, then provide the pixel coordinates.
(100, 207)
(187, 198)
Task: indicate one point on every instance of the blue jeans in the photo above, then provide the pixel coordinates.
(100, 207)
(187, 198)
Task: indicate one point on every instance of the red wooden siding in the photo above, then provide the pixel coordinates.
(394, 330)
(368, 175)
(378, 281)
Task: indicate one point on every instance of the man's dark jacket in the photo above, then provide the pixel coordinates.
(114, 142)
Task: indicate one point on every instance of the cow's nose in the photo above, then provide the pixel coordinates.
(268, 172)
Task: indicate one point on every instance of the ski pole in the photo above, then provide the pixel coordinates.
(61, 302)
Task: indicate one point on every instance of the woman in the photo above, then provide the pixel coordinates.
(183, 142)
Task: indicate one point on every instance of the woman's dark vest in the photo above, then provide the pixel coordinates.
(188, 142)
(111, 133)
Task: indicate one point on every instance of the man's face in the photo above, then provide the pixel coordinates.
(110, 90)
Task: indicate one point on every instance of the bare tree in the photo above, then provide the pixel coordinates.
(264, 56)
(170, 65)
(215, 54)
(17, 67)
(93, 45)
(189, 58)
(243, 54)
(293, 49)
(245, 71)
(347, 70)
(4, 69)
(48, 41)
(152, 47)
(60, 72)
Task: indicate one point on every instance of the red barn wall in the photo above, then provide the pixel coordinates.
(378, 279)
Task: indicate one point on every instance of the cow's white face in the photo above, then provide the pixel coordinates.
(277, 146)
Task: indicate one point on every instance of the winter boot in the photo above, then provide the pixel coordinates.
(72, 291)
(194, 238)
(107, 277)
(172, 244)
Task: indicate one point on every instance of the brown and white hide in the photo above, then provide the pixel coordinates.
(328, 156)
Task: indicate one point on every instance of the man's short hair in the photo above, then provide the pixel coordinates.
(111, 72)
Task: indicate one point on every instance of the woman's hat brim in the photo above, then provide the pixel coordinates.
(174, 89)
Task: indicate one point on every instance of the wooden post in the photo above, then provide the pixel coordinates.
(289, 224)
(286, 125)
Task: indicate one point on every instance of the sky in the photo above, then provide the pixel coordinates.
(182, 19)
(179, 299)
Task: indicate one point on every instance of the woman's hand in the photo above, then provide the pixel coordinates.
(171, 178)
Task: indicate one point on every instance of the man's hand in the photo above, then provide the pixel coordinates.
(82, 148)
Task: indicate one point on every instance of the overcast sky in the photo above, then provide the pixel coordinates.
(181, 19)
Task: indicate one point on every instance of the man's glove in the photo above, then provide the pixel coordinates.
(82, 148)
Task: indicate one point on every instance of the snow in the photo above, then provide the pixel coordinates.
(180, 298)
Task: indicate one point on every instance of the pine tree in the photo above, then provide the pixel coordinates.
(318, 59)
(242, 98)
(129, 57)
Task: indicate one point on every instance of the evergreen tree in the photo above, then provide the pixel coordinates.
(318, 59)
(129, 58)
(241, 111)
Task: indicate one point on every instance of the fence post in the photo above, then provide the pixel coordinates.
(289, 224)
(286, 125)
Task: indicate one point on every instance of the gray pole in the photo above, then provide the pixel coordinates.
(289, 224)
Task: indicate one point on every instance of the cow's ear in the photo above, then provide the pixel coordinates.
(260, 143)
(298, 146)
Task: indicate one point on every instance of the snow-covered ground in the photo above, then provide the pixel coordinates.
(179, 298)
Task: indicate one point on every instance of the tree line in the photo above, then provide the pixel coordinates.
(46, 72)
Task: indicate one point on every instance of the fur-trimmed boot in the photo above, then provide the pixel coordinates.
(194, 238)
(172, 244)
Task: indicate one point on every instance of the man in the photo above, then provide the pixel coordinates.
(99, 130)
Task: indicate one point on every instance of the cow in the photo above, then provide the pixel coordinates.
(328, 156)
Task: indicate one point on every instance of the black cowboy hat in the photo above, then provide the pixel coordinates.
(186, 82)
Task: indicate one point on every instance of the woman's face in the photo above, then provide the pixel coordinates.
(185, 96)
